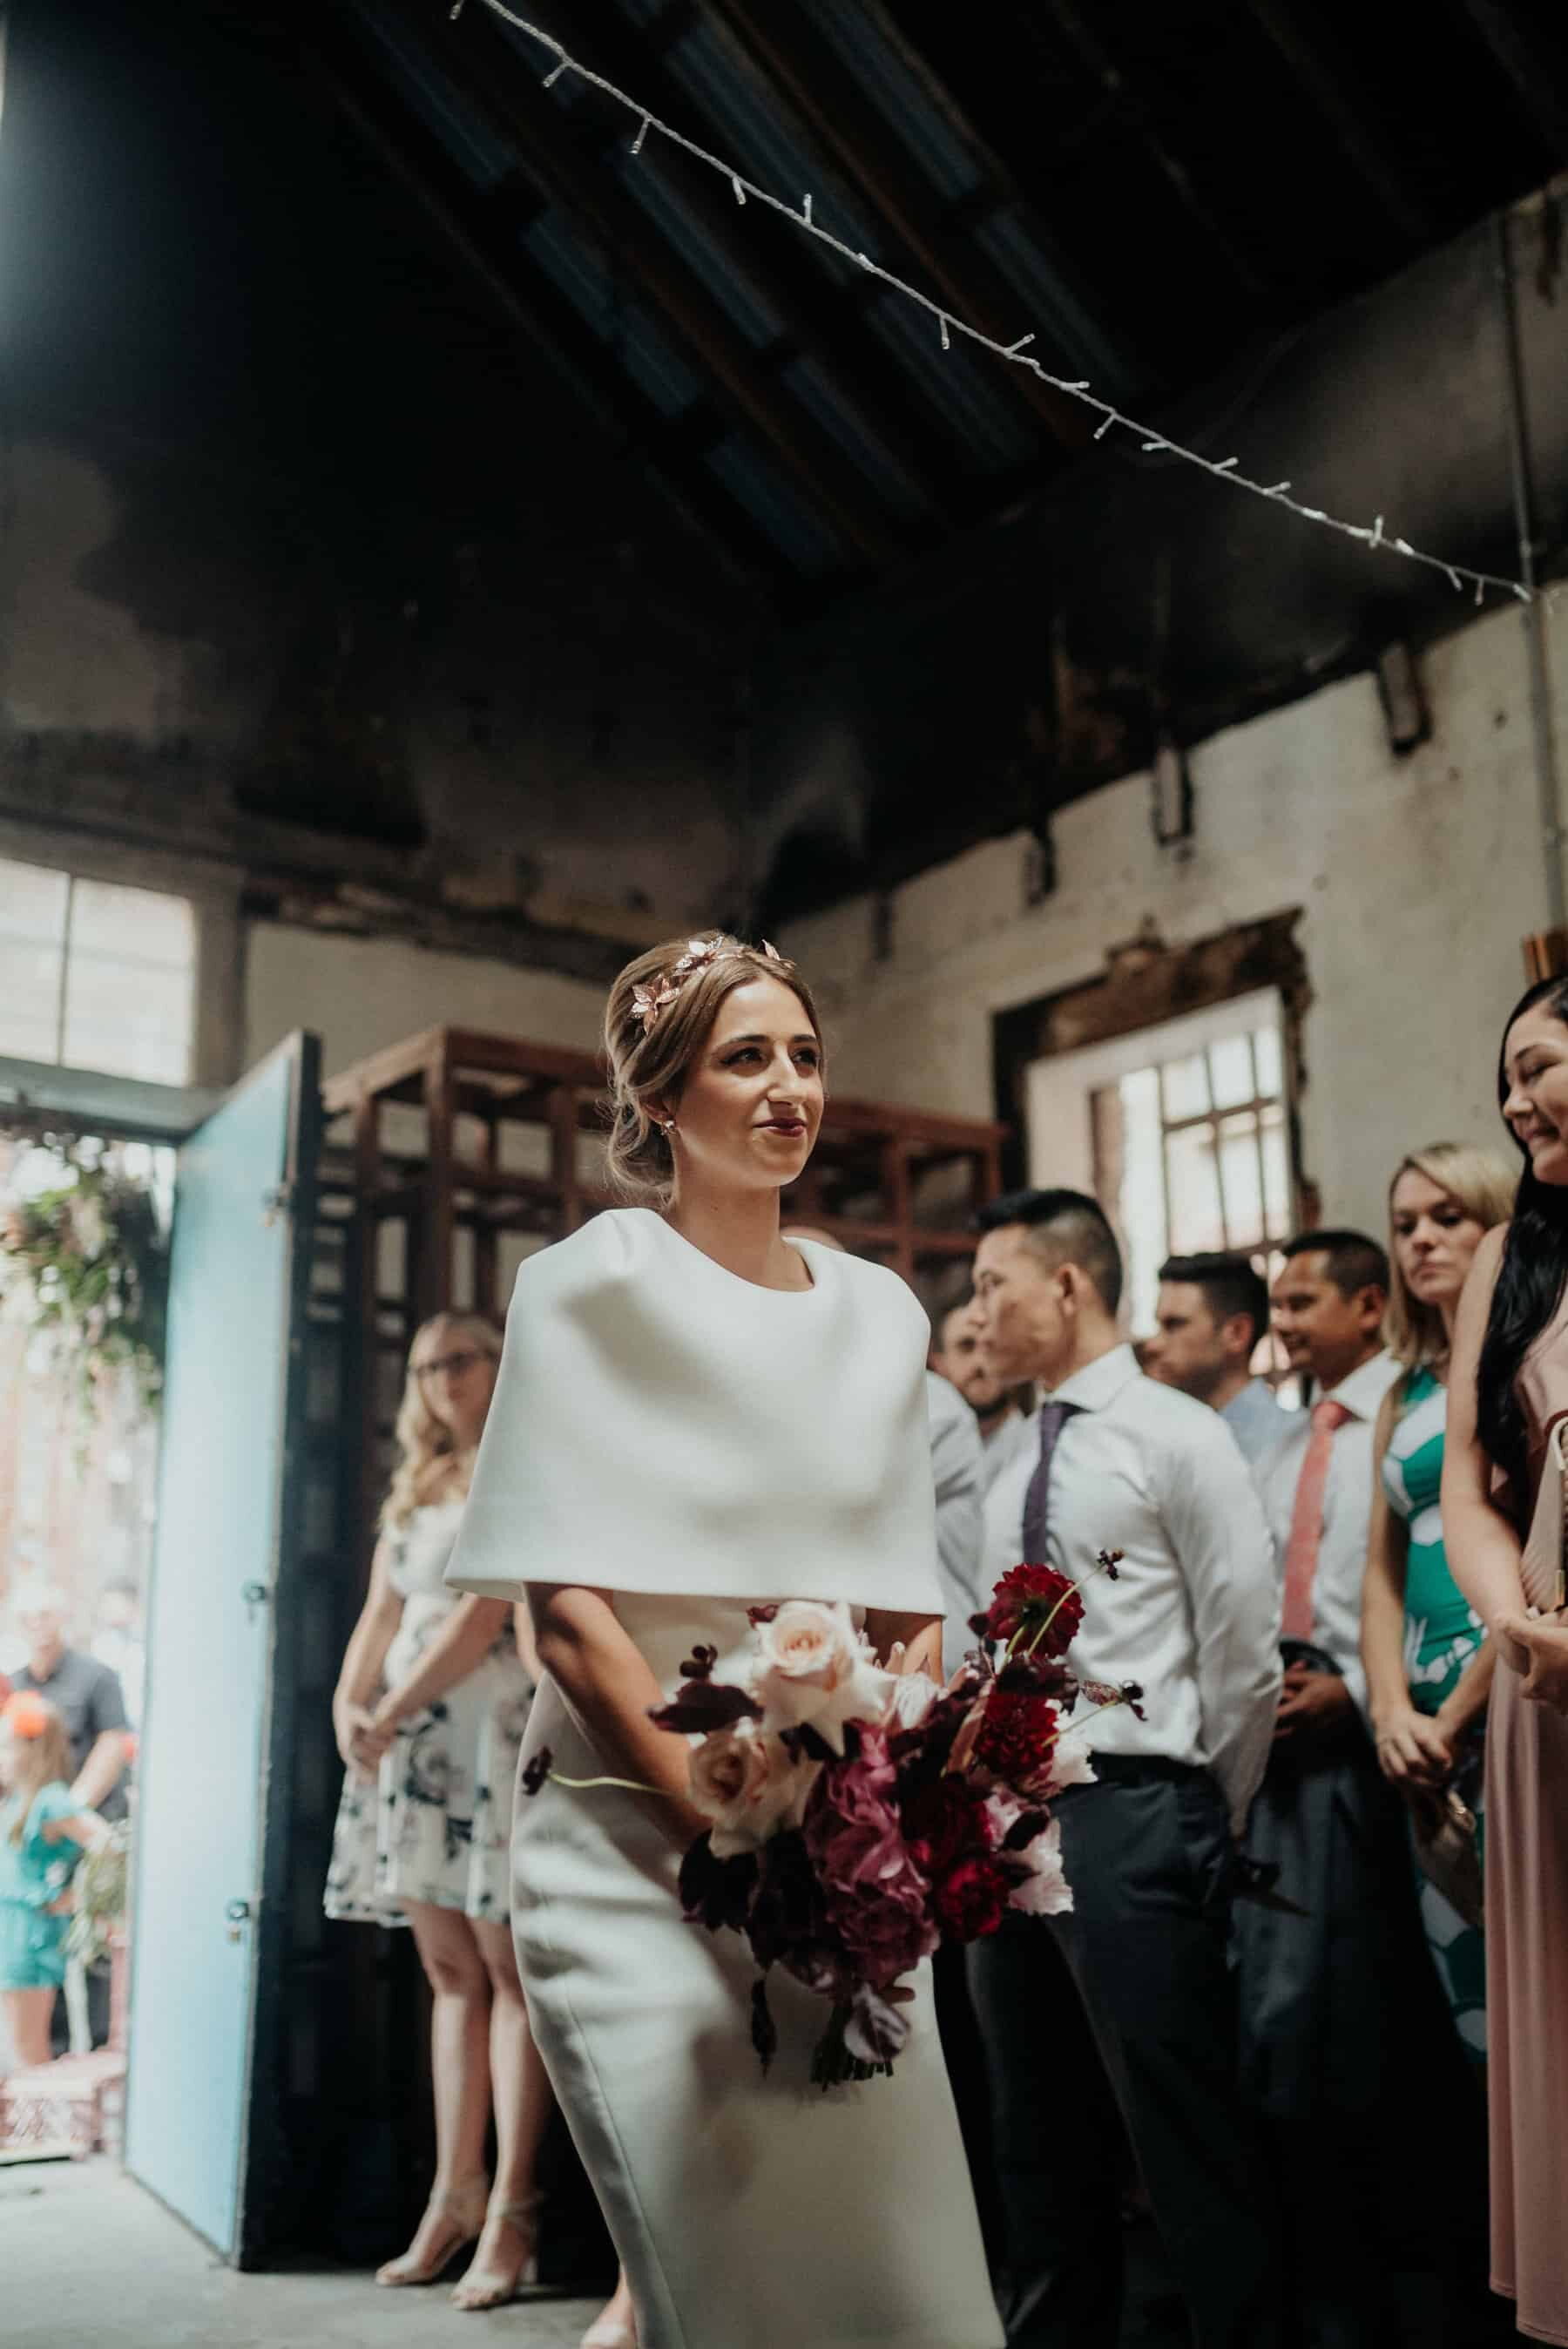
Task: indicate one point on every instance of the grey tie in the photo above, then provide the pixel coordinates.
(1054, 1417)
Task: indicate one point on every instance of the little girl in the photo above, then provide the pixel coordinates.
(43, 1832)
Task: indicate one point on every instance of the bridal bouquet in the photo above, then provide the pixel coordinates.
(860, 1818)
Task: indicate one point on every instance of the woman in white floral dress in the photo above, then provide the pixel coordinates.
(431, 1709)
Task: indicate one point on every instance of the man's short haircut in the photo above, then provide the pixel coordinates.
(1355, 1262)
(1067, 1225)
(1231, 1284)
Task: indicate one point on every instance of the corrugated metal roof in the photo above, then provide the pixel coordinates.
(1061, 153)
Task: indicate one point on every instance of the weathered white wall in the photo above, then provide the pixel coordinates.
(1417, 878)
(361, 994)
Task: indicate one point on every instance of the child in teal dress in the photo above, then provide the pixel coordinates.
(43, 1832)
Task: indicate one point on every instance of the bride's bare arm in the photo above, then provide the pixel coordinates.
(609, 1685)
(920, 1635)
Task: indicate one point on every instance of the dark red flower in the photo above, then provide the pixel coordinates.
(947, 1822)
(971, 1900)
(1017, 1734)
(1041, 1603)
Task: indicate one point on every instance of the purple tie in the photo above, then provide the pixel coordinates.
(1054, 1417)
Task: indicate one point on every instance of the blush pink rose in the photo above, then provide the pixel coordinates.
(1045, 1891)
(748, 1785)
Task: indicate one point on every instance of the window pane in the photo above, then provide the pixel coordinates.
(1243, 1191)
(1276, 1173)
(29, 1000)
(1231, 1072)
(131, 925)
(1186, 1084)
(32, 902)
(1271, 1074)
(130, 1019)
(129, 983)
(1130, 1183)
(1196, 1222)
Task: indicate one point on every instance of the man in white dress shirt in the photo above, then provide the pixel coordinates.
(1212, 1315)
(1348, 2050)
(1143, 2016)
(1006, 1432)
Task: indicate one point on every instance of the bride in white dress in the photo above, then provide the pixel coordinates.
(695, 1416)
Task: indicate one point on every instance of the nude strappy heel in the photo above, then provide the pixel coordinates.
(463, 2207)
(490, 2288)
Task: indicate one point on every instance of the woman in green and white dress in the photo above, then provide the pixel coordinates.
(1428, 1664)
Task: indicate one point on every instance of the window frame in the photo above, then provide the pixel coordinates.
(214, 893)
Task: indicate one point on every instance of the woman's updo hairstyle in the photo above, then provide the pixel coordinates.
(680, 987)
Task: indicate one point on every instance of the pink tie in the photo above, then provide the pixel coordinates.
(1306, 1519)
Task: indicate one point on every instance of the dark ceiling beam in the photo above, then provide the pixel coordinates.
(1331, 84)
(1539, 81)
(528, 117)
(942, 58)
(1127, 101)
(815, 315)
(485, 228)
(851, 130)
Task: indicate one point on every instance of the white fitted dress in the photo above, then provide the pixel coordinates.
(695, 1445)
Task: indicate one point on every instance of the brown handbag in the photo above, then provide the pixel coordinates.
(1543, 1565)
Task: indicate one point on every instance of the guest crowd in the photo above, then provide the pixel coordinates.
(1308, 2023)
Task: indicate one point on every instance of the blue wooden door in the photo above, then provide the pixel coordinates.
(200, 2086)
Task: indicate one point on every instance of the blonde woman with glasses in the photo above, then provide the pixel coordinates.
(430, 1710)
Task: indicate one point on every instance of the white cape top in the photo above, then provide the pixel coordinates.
(662, 1425)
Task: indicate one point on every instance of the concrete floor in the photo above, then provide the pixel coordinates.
(87, 2257)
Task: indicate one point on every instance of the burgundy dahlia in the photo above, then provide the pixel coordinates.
(1040, 1603)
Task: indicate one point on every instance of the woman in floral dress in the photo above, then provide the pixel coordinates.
(430, 1710)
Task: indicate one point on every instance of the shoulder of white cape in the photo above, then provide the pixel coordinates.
(620, 1243)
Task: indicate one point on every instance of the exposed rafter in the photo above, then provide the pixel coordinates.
(1123, 90)
(821, 320)
(847, 127)
(1540, 80)
(485, 227)
(1331, 84)
(519, 105)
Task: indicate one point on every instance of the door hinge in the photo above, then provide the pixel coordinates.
(278, 1201)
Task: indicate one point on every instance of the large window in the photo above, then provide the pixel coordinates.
(1180, 1130)
(95, 976)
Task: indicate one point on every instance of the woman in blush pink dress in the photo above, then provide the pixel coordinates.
(1507, 1387)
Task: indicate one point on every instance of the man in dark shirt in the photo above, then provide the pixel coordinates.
(86, 1696)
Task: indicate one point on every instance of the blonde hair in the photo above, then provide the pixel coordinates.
(1480, 1183)
(41, 1760)
(652, 1064)
(426, 1455)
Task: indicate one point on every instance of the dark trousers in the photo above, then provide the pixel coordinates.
(1373, 2114)
(1123, 2010)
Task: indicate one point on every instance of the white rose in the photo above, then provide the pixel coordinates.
(747, 1785)
(1070, 1765)
(1045, 1891)
(813, 1667)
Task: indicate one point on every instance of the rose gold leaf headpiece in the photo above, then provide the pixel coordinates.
(701, 954)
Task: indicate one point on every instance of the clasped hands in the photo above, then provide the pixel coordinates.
(363, 1737)
(1536, 1646)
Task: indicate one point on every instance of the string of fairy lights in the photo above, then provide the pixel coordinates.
(1374, 536)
